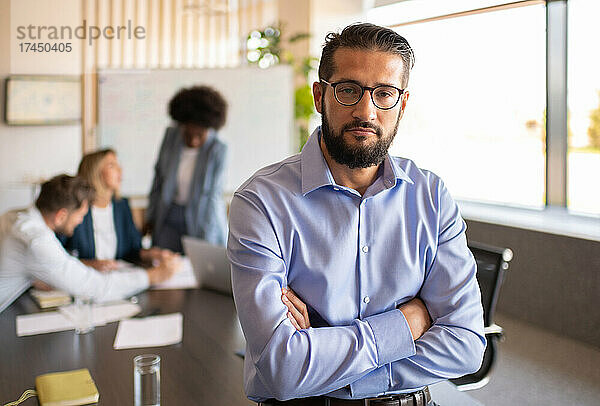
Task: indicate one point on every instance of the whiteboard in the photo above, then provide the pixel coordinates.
(133, 116)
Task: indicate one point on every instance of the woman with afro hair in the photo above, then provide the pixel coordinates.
(187, 191)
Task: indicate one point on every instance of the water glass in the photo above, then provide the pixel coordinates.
(83, 315)
(146, 380)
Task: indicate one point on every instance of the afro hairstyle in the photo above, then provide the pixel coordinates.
(200, 105)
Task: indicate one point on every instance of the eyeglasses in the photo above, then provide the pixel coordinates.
(384, 97)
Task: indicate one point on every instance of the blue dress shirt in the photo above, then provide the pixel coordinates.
(352, 259)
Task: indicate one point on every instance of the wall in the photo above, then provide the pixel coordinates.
(333, 15)
(553, 280)
(30, 153)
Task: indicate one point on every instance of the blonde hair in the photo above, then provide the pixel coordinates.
(90, 168)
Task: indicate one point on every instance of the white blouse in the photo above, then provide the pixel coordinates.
(185, 173)
(105, 235)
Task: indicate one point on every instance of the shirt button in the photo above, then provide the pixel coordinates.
(336, 188)
(365, 249)
(367, 299)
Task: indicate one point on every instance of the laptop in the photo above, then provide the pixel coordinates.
(210, 264)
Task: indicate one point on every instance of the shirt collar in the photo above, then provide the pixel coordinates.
(316, 173)
(393, 172)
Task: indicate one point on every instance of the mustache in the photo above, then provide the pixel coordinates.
(362, 124)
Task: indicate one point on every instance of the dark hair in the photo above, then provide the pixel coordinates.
(200, 105)
(64, 191)
(369, 37)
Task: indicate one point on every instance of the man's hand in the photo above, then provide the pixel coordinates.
(164, 270)
(417, 316)
(297, 311)
(154, 254)
(39, 285)
(102, 265)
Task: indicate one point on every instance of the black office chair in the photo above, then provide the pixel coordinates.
(492, 263)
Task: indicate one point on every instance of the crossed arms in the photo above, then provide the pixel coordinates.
(396, 350)
(414, 312)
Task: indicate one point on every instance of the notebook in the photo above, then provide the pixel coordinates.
(69, 388)
(50, 298)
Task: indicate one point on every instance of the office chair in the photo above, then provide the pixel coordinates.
(492, 263)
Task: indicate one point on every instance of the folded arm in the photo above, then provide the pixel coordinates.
(51, 264)
(454, 343)
(290, 363)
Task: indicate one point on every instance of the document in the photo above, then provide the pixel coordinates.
(40, 323)
(61, 320)
(154, 331)
(184, 279)
(106, 312)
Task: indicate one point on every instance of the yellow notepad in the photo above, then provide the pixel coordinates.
(50, 298)
(69, 388)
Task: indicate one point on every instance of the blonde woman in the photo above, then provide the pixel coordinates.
(107, 232)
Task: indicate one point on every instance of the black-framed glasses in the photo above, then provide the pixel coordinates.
(347, 93)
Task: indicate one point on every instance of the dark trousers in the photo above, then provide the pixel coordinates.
(172, 230)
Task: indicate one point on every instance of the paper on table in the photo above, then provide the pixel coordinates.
(116, 311)
(39, 323)
(49, 322)
(106, 313)
(154, 331)
(184, 279)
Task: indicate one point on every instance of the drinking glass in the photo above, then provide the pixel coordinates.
(146, 380)
(83, 314)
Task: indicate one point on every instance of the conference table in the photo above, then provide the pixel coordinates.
(201, 370)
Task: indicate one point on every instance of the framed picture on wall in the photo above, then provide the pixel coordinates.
(42, 100)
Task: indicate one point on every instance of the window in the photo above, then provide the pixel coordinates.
(475, 114)
(583, 165)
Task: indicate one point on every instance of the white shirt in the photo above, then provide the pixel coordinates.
(185, 173)
(29, 250)
(105, 235)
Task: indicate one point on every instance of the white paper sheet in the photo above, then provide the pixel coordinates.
(107, 312)
(40, 323)
(184, 279)
(61, 320)
(154, 331)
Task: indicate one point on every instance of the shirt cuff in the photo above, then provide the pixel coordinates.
(393, 338)
(372, 384)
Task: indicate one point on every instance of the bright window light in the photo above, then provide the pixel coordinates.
(475, 115)
(583, 69)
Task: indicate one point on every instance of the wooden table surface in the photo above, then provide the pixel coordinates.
(201, 370)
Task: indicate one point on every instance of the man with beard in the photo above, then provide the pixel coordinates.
(350, 269)
(29, 249)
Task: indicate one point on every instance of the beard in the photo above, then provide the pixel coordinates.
(356, 156)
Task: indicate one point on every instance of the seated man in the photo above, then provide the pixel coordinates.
(372, 245)
(29, 249)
